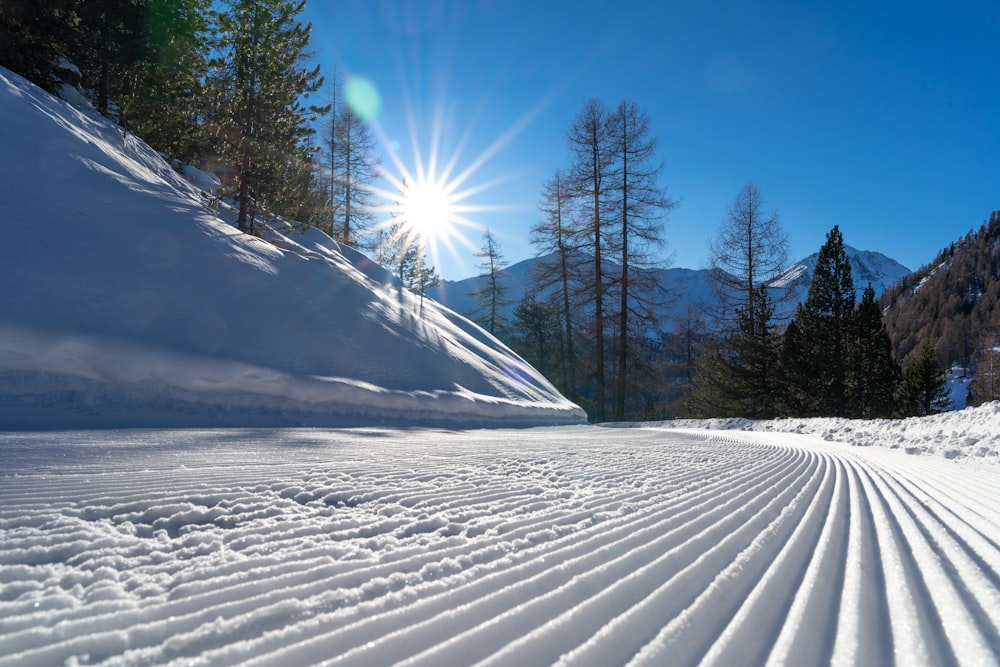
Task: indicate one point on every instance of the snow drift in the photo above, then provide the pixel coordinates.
(126, 299)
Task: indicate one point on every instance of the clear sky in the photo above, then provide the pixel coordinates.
(880, 116)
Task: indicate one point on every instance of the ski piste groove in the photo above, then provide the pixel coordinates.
(567, 546)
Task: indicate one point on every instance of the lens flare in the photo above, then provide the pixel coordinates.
(363, 98)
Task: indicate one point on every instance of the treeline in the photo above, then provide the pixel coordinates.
(834, 358)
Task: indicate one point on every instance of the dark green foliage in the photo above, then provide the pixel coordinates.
(872, 373)
(815, 354)
(740, 377)
(162, 97)
(923, 390)
(33, 34)
(260, 79)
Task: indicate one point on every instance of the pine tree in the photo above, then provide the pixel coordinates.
(262, 121)
(741, 376)
(815, 358)
(163, 95)
(34, 34)
(872, 373)
(924, 387)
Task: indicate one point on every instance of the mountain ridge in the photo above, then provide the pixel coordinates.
(688, 287)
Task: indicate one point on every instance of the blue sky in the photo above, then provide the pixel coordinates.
(880, 117)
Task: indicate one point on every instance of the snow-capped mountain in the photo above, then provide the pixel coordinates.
(685, 287)
(126, 299)
(866, 267)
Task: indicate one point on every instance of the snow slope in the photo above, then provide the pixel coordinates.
(126, 300)
(568, 545)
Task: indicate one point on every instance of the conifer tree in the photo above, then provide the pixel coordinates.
(749, 250)
(163, 95)
(34, 34)
(924, 387)
(872, 373)
(740, 376)
(264, 79)
(815, 346)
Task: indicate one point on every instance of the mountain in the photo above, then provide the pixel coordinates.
(126, 299)
(688, 287)
(953, 302)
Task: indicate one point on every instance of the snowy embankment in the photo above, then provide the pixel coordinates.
(576, 545)
(125, 300)
(972, 433)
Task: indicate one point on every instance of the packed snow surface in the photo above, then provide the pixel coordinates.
(562, 545)
(127, 299)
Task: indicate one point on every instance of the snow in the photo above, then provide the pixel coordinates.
(412, 540)
(972, 433)
(128, 300)
(572, 545)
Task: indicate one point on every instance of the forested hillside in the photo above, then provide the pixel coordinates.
(954, 303)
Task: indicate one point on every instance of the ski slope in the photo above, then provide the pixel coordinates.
(566, 545)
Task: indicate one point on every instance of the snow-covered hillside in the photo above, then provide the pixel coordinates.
(125, 299)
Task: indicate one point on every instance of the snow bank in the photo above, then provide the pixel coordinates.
(972, 433)
(126, 300)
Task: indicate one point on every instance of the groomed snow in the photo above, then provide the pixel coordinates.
(563, 545)
(126, 300)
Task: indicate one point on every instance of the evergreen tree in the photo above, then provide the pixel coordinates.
(34, 34)
(924, 387)
(108, 47)
(492, 296)
(872, 373)
(740, 376)
(815, 354)
(263, 122)
(164, 94)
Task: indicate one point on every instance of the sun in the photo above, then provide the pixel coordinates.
(428, 209)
